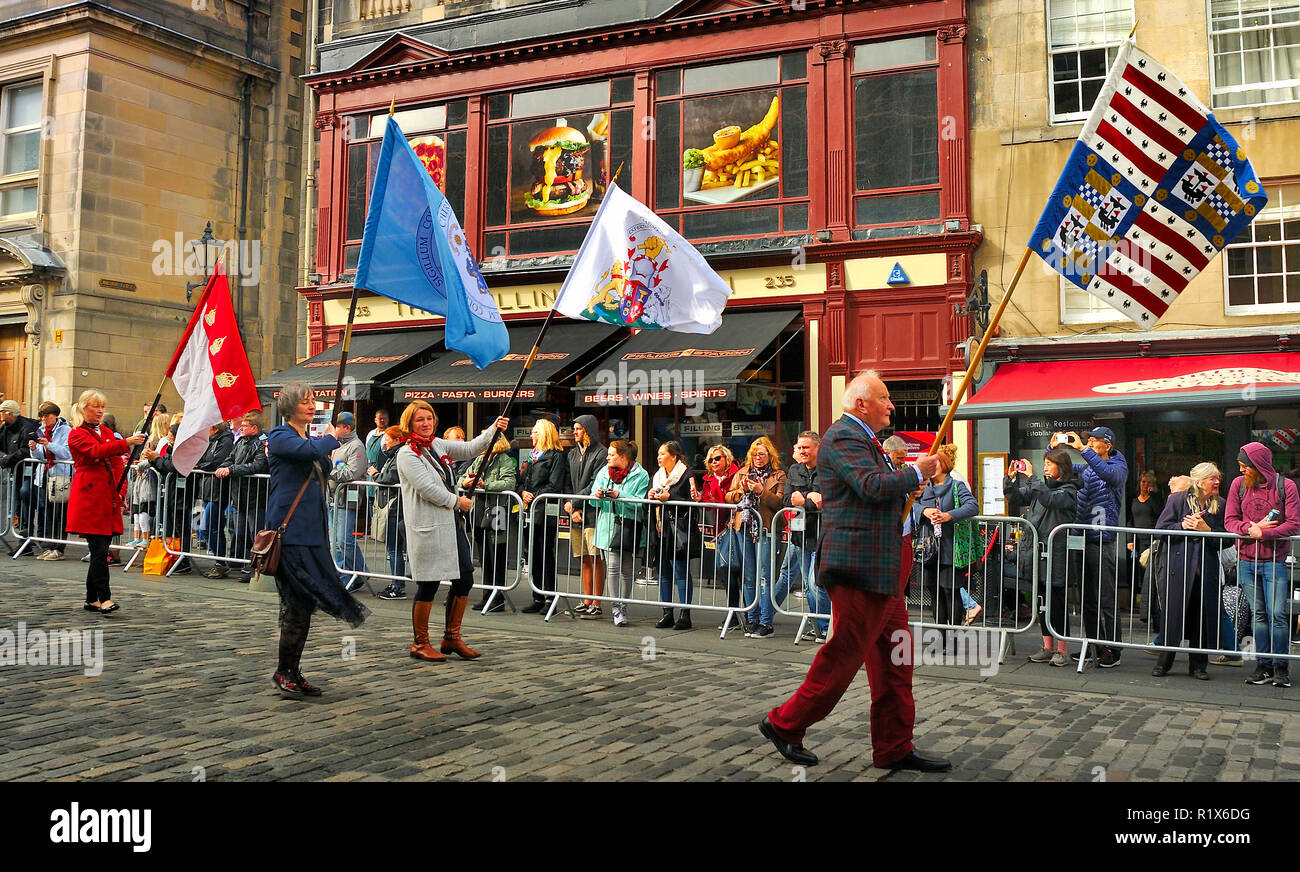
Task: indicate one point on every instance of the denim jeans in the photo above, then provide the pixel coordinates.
(347, 553)
(801, 561)
(395, 540)
(755, 557)
(214, 523)
(1266, 585)
(670, 570)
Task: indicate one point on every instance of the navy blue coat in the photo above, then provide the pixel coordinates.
(291, 460)
(1101, 491)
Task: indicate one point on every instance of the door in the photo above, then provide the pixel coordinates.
(13, 364)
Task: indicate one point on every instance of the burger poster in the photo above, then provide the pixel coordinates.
(559, 167)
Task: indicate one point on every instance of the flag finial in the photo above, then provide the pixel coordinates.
(392, 107)
(1134, 30)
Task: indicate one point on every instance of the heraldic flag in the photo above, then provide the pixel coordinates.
(210, 371)
(633, 270)
(1154, 189)
(414, 251)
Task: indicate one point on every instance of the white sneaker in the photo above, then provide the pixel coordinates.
(44, 555)
(53, 555)
(620, 619)
(798, 594)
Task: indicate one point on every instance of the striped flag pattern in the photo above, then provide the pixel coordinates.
(1154, 189)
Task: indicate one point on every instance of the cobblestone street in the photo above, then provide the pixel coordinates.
(185, 694)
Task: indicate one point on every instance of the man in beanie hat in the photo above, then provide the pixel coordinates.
(1264, 507)
(586, 458)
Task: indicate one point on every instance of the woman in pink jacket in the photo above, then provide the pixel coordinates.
(96, 503)
(1264, 507)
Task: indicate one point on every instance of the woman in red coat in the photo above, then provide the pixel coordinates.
(95, 504)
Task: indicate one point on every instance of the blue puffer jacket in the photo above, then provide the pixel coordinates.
(1101, 490)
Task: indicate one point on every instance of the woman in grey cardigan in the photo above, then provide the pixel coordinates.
(436, 540)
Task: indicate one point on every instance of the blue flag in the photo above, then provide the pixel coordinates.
(415, 252)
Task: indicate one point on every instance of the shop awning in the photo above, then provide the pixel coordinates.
(453, 378)
(374, 358)
(660, 367)
(1130, 383)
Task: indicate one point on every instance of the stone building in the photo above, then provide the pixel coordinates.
(125, 129)
(1219, 368)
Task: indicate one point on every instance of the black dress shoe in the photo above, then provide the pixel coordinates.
(919, 763)
(104, 610)
(789, 750)
(90, 608)
(1200, 674)
(534, 609)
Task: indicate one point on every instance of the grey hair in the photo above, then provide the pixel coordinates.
(811, 434)
(859, 389)
(290, 396)
(894, 444)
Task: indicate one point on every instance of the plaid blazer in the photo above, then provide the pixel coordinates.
(861, 539)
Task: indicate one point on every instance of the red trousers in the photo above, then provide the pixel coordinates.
(870, 629)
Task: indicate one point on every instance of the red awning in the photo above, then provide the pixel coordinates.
(1120, 384)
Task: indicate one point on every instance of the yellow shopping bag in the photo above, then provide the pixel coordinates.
(157, 560)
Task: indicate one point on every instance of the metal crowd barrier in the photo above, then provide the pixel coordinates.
(360, 545)
(144, 497)
(795, 556)
(997, 591)
(1199, 590)
(708, 580)
(37, 509)
(220, 529)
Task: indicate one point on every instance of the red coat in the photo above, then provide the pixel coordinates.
(95, 504)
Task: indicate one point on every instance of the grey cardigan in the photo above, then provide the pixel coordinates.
(428, 507)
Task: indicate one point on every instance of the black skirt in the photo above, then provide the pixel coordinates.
(307, 578)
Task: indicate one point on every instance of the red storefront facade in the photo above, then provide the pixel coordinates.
(861, 221)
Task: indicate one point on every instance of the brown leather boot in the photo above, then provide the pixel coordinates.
(451, 641)
(420, 648)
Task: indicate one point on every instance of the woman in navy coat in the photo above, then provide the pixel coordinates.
(1189, 580)
(306, 577)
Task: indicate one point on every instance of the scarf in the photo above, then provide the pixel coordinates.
(419, 443)
(665, 479)
(750, 517)
(424, 448)
(49, 455)
(617, 475)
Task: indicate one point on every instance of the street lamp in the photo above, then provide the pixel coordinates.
(207, 240)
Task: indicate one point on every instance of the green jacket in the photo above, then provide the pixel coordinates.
(634, 486)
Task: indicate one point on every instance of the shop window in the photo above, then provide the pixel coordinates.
(1080, 307)
(1083, 38)
(20, 148)
(551, 155)
(436, 132)
(727, 137)
(1255, 46)
(1279, 429)
(1262, 273)
(896, 132)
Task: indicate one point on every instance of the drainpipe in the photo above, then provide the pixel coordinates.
(306, 244)
(245, 141)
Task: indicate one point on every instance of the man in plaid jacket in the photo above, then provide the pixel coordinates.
(861, 564)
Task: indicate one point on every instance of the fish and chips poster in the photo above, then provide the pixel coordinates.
(732, 151)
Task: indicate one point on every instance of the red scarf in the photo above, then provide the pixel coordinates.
(617, 475)
(49, 455)
(419, 443)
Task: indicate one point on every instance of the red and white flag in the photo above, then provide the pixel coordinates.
(211, 372)
(1153, 190)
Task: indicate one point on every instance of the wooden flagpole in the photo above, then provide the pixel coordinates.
(973, 366)
(532, 355)
(347, 331)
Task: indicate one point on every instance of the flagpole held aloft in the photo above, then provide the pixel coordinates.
(973, 366)
(145, 427)
(343, 357)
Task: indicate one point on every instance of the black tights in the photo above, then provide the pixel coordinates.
(97, 575)
(295, 623)
(425, 591)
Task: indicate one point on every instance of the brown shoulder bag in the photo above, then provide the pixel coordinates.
(264, 555)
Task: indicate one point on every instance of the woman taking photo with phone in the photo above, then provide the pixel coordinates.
(1051, 501)
(758, 490)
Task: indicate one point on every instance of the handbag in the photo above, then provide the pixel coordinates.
(627, 534)
(264, 555)
(157, 560)
(379, 520)
(57, 488)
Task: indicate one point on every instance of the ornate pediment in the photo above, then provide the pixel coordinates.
(22, 259)
(692, 8)
(397, 50)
